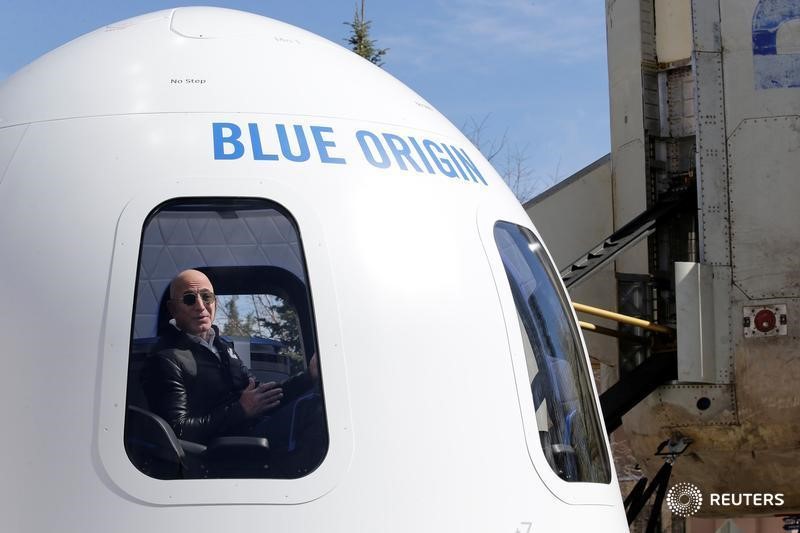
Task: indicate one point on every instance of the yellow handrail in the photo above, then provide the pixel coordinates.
(624, 319)
(588, 326)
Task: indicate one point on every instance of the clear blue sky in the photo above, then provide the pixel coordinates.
(534, 69)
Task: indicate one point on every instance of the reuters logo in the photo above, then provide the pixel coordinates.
(684, 499)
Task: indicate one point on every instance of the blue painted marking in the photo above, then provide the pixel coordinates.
(443, 164)
(286, 149)
(401, 151)
(362, 137)
(474, 173)
(221, 139)
(323, 145)
(771, 69)
(258, 148)
(384, 150)
(421, 154)
(454, 160)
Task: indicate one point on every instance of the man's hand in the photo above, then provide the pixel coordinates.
(258, 400)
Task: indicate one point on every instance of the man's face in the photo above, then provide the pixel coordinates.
(195, 318)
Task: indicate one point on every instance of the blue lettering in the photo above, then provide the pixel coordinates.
(379, 149)
(401, 151)
(421, 154)
(220, 140)
(363, 136)
(301, 141)
(258, 148)
(322, 145)
(443, 164)
(469, 165)
(455, 161)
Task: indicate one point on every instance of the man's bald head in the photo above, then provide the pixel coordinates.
(187, 278)
(196, 318)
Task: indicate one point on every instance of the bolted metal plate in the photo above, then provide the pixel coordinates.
(696, 405)
(764, 320)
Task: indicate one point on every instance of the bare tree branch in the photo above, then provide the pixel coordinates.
(511, 162)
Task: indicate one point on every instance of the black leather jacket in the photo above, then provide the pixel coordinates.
(198, 393)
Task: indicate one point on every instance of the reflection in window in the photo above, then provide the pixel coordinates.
(268, 327)
(563, 399)
(186, 415)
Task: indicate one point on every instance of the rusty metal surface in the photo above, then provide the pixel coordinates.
(748, 440)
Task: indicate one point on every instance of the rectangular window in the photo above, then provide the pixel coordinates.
(223, 375)
(563, 398)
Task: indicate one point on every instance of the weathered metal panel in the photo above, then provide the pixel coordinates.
(647, 34)
(683, 405)
(681, 102)
(706, 32)
(650, 101)
(747, 161)
(630, 197)
(765, 219)
(674, 30)
(695, 323)
(744, 97)
(712, 186)
(776, 44)
(724, 321)
(624, 67)
(628, 165)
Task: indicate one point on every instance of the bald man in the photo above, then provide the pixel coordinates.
(194, 379)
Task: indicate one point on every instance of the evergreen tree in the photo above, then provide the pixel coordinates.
(279, 318)
(359, 40)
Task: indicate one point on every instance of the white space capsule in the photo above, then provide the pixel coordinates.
(336, 213)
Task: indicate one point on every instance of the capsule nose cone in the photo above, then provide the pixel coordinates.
(214, 23)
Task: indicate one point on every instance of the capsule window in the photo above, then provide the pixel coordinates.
(223, 374)
(563, 399)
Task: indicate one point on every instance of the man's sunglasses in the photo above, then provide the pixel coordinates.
(206, 297)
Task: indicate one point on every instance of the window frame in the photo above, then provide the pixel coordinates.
(571, 492)
(115, 353)
(579, 377)
(227, 279)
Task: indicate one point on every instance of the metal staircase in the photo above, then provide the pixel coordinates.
(619, 241)
(661, 365)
